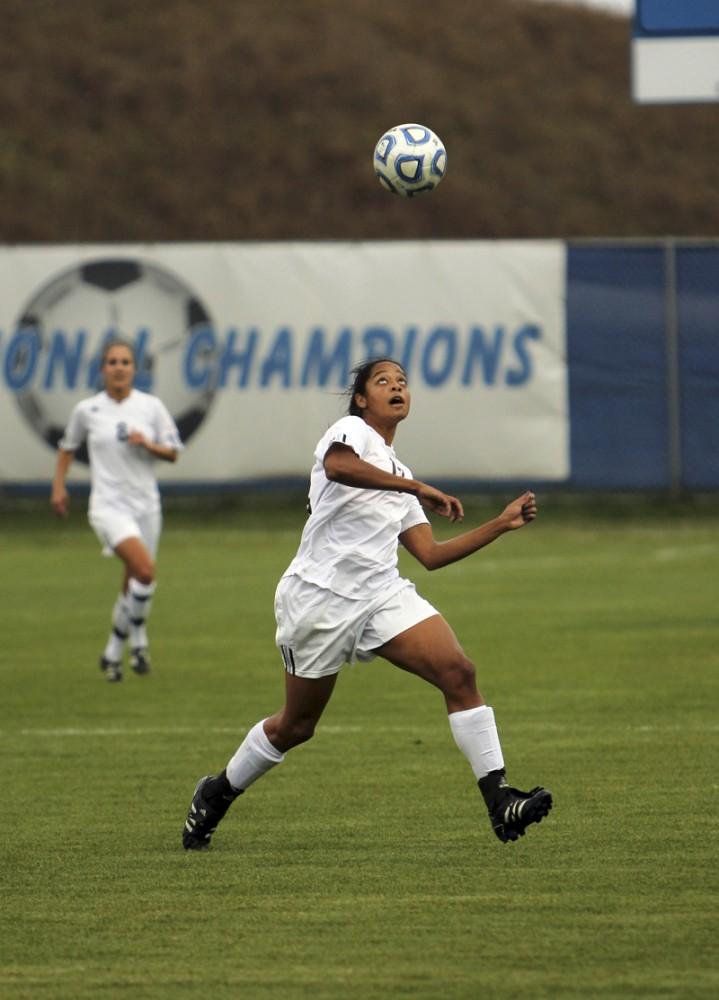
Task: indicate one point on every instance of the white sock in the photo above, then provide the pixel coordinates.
(253, 758)
(120, 630)
(139, 598)
(475, 733)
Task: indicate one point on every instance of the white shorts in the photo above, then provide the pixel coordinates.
(318, 631)
(115, 526)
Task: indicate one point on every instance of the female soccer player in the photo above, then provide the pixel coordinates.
(125, 430)
(342, 599)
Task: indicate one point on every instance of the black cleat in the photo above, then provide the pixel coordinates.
(111, 669)
(140, 661)
(512, 811)
(212, 798)
(518, 811)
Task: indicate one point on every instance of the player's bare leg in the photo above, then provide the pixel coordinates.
(139, 564)
(305, 700)
(262, 749)
(430, 650)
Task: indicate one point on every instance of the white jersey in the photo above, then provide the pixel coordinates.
(122, 475)
(349, 544)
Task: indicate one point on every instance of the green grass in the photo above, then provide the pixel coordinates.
(364, 866)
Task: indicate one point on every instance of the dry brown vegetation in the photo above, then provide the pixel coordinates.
(256, 119)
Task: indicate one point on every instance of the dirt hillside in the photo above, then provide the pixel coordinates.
(256, 119)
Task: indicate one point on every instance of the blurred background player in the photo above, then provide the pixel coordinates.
(342, 599)
(126, 431)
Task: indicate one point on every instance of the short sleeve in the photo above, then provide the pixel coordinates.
(75, 431)
(351, 431)
(166, 432)
(414, 516)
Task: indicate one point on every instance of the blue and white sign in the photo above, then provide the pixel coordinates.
(251, 347)
(675, 51)
(690, 17)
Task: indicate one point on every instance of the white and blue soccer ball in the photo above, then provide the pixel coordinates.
(409, 160)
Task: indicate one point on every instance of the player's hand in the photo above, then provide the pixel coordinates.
(60, 502)
(440, 503)
(521, 511)
(137, 438)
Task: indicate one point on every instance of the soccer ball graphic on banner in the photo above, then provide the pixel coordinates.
(66, 323)
(410, 159)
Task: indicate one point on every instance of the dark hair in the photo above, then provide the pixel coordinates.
(117, 342)
(361, 376)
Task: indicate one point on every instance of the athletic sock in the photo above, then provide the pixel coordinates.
(119, 631)
(475, 733)
(253, 758)
(140, 601)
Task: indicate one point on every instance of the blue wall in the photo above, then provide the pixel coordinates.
(617, 323)
(698, 305)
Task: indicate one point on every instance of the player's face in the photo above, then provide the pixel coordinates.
(118, 370)
(386, 394)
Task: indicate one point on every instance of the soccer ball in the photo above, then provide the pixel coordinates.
(409, 159)
(81, 308)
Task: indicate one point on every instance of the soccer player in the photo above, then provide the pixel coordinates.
(126, 431)
(342, 599)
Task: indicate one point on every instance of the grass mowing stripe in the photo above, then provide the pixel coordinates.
(552, 729)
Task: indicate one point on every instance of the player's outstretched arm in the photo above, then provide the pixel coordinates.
(420, 541)
(343, 465)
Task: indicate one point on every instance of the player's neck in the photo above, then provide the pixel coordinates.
(118, 394)
(386, 430)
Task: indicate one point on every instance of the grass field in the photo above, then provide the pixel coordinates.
(364, 866)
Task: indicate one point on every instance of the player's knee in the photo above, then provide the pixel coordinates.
(459, 674)
(296, 731)
(144, 572)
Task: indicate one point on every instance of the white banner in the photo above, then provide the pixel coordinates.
(250, 346)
